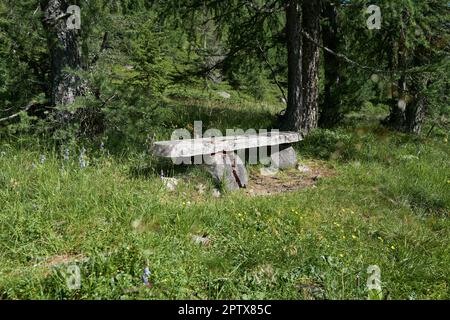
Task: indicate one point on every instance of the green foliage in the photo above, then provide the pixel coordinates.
(23, 56)
(412, 43)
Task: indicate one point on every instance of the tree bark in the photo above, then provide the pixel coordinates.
(303, 66)
(416, 110)
(408, 115)
(292, 119)
(329, 114)
(310, 65)
(65, 52)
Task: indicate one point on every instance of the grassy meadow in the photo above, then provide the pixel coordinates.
(385, 202)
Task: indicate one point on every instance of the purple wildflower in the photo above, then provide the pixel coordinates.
(145, 276)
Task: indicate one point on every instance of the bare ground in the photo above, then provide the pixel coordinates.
(307, 175)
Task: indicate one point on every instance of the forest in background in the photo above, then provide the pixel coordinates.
(108, 77)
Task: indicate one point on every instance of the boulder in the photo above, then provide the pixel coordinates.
(224, 94)
(227, 169)
(285, 158)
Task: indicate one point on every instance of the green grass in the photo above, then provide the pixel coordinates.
(387, 205)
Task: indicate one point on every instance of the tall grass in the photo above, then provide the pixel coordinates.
(387, 205)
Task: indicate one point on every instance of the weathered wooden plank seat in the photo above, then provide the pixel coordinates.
(223, 155)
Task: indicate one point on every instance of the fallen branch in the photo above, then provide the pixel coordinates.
(18, 113)
(104, 103)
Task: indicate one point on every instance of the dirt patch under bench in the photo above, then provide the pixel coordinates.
(306, 175)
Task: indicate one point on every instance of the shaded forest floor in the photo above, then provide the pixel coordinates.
(374, 197)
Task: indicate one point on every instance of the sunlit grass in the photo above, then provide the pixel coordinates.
(387, 205)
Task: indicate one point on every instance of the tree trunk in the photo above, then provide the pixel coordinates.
(65, 52)
(408, 105)
(292, 119)
(415, 116)
(408, 116)
(310, 65)
(416, 110)
(329, 114)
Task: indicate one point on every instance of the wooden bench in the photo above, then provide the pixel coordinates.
(223, 156)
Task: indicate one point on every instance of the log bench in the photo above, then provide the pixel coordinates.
(224, 157)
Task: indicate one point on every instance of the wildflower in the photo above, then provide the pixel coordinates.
(145, 276)
(341, 255)
(201, 188)
(354, 237)
(42, 159)
(393, 247)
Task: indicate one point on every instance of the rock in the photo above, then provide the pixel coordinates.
(268, 172)
(205, 241)
(170, 183)
(313, 290)
(303, 168)
(227, 169)
(285, 158)
(240, 171)
(216, 193)
(224, 94)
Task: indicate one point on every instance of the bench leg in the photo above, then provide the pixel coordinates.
(229, 169)
(284, 158)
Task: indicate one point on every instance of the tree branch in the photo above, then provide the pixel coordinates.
(272, 70)
(27, 107)
(103, 47)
